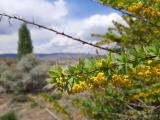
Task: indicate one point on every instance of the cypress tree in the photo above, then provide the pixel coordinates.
(25, 42)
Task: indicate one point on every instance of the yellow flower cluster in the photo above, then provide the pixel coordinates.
(156, 1)
(149, 93)
(120, 5)
(149, 62)
(121, 80)
(149, 73)
(80, 76)
(97, 80)
(136, 7)
(77, 88)
(101, 63)
(60, 80)
(145, 72)
(157, 70)
(150, 11)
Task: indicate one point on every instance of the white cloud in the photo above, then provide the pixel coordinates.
(40, 10)
(8, 44)
(81, 29)
(55, 15)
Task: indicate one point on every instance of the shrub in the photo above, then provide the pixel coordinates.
(36, 79)
(9, 116)
(3, 67)
(27, 63)
(28, 75)
(12, 80)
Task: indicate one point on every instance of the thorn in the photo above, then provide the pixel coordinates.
(83, 43)
(9, 21)
(1, 18)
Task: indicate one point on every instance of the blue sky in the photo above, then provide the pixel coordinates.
(85, 8)
(79, 18)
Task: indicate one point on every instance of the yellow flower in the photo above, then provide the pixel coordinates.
(140, 74)
(77, 88)
(121, 80)
(157, 91)
(91, 86)
(147, 67)
(120, 5)
(60, 80)
(147, 94)
(141, 94)
(146, 73)
(98, 80)
(101, 63)
(136, 97)
(151, 12)
(156, 1)
(136, 7)
(157, 70)
(149, 62)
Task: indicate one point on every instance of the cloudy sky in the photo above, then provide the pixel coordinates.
(79, 18)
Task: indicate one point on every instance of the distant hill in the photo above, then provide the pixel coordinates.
(8, 55)
(52, 56)
(60, 57)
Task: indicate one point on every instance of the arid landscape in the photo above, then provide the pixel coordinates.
(38, 109)
(33, 106)
(79, 59)
(24, 110)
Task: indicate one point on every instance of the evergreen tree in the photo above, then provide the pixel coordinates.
(25, 42)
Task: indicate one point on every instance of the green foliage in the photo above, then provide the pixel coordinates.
(25, 42)
(9, 116)
(125, 84)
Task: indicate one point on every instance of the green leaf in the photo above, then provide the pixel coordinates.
(56, 72)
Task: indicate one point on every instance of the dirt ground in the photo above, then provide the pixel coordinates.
(25, 111)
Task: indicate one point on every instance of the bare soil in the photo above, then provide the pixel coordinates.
(25, 110)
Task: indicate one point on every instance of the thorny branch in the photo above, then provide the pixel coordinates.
(63, 34)
(53, 30)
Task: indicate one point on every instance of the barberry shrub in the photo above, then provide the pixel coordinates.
(125, 83)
